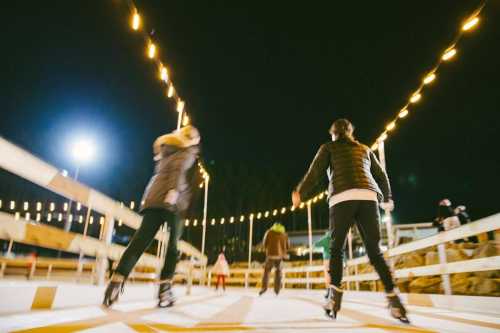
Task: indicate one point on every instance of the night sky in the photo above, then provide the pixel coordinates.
(263, 80)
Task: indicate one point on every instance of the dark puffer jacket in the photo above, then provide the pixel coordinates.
(174, 181)
(351, 164)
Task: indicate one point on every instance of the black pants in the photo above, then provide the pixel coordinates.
(365, 215)
(268, 266)
(151, 223)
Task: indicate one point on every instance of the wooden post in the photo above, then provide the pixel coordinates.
(250, 242)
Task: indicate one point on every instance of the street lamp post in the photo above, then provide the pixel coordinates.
(204, 225)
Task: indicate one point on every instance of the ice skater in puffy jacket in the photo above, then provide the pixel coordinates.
(357, 184)
(276, 245)
(167, 198)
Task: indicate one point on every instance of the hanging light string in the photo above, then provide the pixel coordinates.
(137, 24)
(152, 53)
(448, 54)
(429, 77)
(152, 50)
(259, 215)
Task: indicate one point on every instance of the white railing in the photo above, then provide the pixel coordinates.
(444, 268)
(29, 167)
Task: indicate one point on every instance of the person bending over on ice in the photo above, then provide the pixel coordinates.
(166, 199)
(276, 245)
(357, 183)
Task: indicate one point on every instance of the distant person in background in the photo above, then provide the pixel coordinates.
(464, 218)
(276, 245)
(357, 184)
(167, 198)
(221, 270)
(324, 244)
(445, 219)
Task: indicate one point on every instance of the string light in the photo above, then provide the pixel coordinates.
(231, 220)
(79, 206)
(283, 210)
(132, 204)
(170, 91)
(120, 222)
(60, 217)
(1, 203)
(25, 205)
(429, 78)
(186, 223)
(38, 206)
(195, 223)
(163, 73)
(222, 220)
(415, 98)
(38, 217)
(49, 217)
(242, 218)
(403, 113)
(448, 54)
(212, 222)
(151, 50)
(27, 216)
(91, 221)
(275, 212)
(391, 126)
(472, 22)
(52, 206)
(65, 206)
(17, 216)
(12, 205)
(80, 219)
(136, 21)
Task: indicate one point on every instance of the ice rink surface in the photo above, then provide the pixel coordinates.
(239, 310)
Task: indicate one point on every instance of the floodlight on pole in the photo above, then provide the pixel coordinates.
(83, 150)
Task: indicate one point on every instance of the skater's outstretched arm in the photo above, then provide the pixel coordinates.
(316, 171)
(380, 177)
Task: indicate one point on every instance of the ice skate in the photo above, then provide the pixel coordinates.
(113, 290)
(166, 296)
(334, 302)
(397, 309)
(327, 295)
